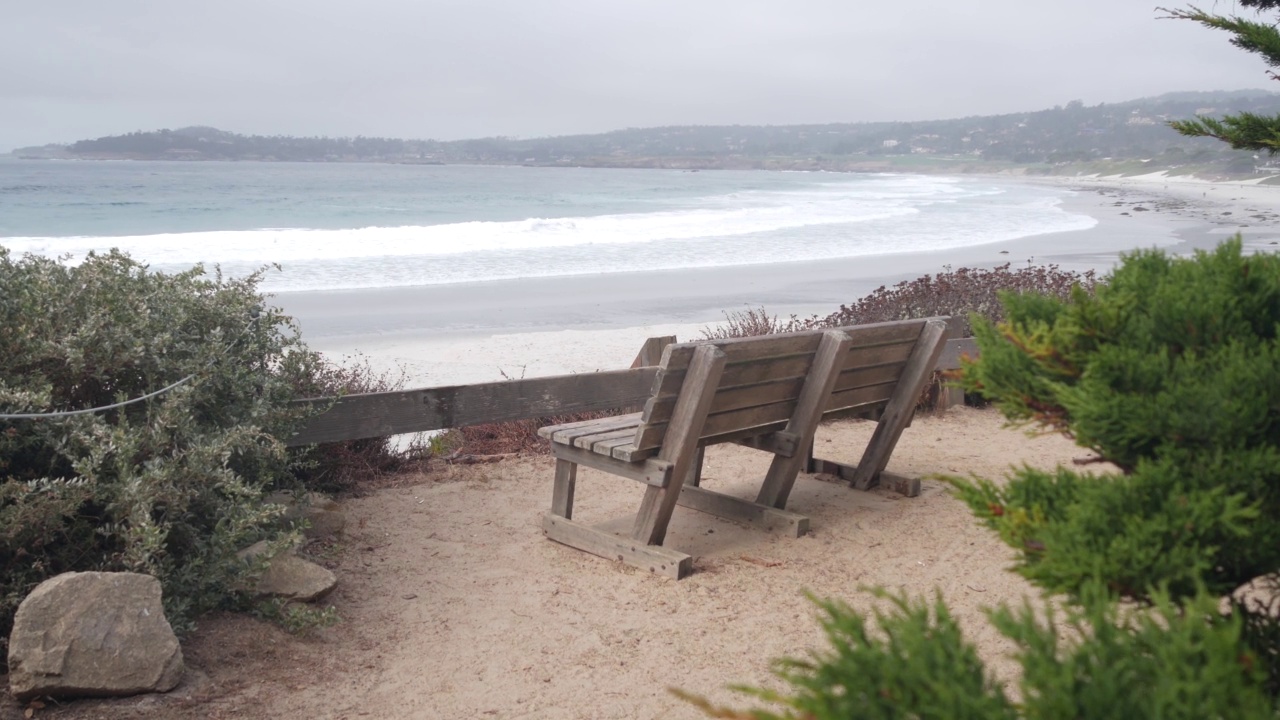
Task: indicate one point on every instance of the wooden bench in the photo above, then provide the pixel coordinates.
(768, 392)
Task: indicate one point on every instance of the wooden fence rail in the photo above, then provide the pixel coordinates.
(441, 408)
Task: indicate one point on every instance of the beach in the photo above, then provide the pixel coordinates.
(485, 331)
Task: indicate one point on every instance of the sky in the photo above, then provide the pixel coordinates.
(451, 69)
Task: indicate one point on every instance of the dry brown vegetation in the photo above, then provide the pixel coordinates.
(959, 292)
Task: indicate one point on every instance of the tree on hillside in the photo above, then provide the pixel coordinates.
(1243, 131)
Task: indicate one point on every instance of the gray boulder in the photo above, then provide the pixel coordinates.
(93, 634)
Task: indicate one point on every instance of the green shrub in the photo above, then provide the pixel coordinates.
(171, 486)
(1170, 371)
(1168, 662)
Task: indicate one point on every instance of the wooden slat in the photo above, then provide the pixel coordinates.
(863, 377)
(733, 398)
(737, 349)
(667, 383)
(902, 405)
(608, 445)
(870, 410)
(650, 471)
(588, 442)
(859, 397)
(743, 380)
(650, 435)
(392, 413)
(744, 511)
(778, 443)
(680, 443)
(876, 355)
(746, 349)
(567, 434)
(742, 433)
(550, 431)
(750, 372)
(656, 559)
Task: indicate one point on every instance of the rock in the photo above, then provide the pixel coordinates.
(289, 576)
(93, 634)
(324, 515)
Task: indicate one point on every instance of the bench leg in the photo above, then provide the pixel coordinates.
(562, 494)
(695, 470)
(779, 480)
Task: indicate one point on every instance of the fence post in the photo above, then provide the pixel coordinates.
(651, 353)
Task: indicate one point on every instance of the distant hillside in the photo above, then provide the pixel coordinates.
(1064, 137)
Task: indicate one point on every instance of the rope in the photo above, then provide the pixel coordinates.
(87, 411)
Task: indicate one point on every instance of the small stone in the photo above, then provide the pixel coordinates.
(93, 634)
(289, 576)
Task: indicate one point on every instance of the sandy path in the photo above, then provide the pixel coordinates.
(455, 606)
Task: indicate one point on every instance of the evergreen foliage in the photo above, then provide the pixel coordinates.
(1244, 130)
(1170, 370)
(1166, 663)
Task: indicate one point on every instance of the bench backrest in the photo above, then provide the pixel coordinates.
(763, 377)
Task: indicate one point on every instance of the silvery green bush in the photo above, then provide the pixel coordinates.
(171, 486)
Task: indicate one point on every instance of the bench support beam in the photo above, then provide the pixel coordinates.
(744, 511)
(680, 443)
(901, 407)
(827, 364)
(656, 559)
(901, 484)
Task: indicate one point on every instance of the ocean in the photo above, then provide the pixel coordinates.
(348, 226)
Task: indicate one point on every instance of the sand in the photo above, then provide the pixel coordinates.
(453, 605)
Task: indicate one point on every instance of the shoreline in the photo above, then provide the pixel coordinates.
(485, 331)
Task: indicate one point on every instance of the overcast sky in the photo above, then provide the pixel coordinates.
(73, 69)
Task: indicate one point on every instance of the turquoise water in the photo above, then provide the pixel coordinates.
(365, 225)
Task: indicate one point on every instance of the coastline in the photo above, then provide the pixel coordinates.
(484, 331)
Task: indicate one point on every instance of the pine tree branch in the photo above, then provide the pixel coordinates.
(1245, 131)
(1254, 37)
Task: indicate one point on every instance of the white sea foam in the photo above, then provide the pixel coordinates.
(291, 244)
(893, 214)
